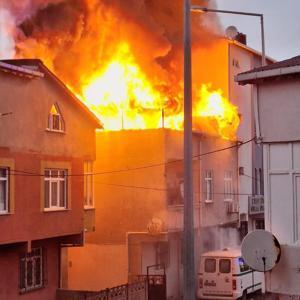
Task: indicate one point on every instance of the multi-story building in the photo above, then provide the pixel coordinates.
(138, 196)
(276, 89)
(47, 138)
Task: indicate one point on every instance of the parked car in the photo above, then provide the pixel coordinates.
(223, 274)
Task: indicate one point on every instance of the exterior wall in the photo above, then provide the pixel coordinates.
(28, 220)
(282, 166)
(250, 156)
(104, 271)
(30, 101)
(279, 102)
(9, 265)
(214, 216)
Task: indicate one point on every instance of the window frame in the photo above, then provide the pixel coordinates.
(36, 254)
(208, 181)
(228, 186)
(51, 122)
(88, 185)
(6, 208)
(56, 180)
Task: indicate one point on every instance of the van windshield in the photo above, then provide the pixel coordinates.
(210, 265)
(224, 265)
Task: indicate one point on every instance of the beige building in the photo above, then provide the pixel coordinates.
(139, 206)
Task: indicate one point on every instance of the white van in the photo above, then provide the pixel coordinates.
(223, 274)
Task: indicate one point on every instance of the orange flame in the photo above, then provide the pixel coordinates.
(123, 97)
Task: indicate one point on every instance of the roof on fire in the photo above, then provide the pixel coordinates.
(32, 68)
(285, 68)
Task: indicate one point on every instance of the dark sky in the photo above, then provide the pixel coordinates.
(282, 24)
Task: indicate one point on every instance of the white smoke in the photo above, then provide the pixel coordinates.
(7, 33)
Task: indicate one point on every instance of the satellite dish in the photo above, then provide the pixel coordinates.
(231, 32)
(261, 250)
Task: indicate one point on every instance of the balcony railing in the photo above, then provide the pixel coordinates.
(256, 204)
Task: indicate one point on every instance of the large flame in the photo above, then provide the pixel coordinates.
(123, 97)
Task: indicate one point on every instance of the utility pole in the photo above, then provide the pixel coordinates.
(188, 227)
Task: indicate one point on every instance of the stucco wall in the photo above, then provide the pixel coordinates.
(30, 101)
(9, 275)
(279, 110)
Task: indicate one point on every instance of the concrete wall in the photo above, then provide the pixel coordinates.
(104, 266)
(30, 101)
(9, 275)
(279, 110)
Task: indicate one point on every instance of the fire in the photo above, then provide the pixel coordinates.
(123, 97)
(212, 105)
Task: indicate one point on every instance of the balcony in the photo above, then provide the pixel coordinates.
(256, 205)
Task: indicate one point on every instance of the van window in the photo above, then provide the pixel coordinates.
(243, 266)
(210, 265)
(225, 265)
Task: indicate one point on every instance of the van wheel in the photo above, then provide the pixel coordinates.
(244, 296)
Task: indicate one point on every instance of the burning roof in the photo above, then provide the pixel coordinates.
(122, 58)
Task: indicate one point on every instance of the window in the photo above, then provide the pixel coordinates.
(256, 180)
(243, 266)
(261, 181)
(4, 187)
(55, 120)
(88, 185)
(31, 270)
(228, 186)
(224, 266)
(210, 265)
(55, 189)
(208, 186)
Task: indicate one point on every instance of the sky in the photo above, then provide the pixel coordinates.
(281, 21)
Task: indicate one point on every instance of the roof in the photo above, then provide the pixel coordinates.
(36, 68)
(227, 252)
(289, 67)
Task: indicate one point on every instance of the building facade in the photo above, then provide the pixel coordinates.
(276, 89)
(47, 136)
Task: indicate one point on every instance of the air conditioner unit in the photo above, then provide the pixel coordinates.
(232, 207)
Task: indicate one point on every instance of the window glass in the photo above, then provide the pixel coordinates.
(4, 190)
(210, 265)
(224, 265)
(88, 184)
(242, 264)
(55, 189)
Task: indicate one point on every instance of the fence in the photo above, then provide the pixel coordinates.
(133, 291)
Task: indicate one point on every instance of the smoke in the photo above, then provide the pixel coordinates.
(75, 38)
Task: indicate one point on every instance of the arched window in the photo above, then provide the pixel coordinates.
(55, 119)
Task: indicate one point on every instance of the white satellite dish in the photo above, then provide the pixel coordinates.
(231, 32)
(261, 250)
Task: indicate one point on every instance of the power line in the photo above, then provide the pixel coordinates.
(26, 173)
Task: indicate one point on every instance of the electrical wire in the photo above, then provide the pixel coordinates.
(26, 173)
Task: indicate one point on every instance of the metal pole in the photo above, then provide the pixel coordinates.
(188, 230)
(263, 51)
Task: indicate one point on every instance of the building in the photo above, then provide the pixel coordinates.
(138, 196)
(140, 210)
(276, 89)
(47, 138)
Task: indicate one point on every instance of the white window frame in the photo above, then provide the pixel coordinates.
(32, 258)
(228, 188)
(55, 180)
(5, 180)
(208, 180)
(51, 123)
(88, 185)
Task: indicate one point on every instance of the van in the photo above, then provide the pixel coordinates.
(223, 274)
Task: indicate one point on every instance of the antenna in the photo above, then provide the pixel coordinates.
(261, 250)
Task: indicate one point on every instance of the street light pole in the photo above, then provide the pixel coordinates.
(188, 226)
(261, 16)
